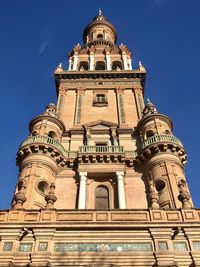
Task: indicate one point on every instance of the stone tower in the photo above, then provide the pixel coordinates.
(101, 176)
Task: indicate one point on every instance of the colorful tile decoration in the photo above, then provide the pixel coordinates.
(42, 246)
(162, 245)
(64, 247)
(196, 245)
(180, 246)
(7, 246)
(25, 247)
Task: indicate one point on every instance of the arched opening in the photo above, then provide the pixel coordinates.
(43, 187)
(116, 65)
(100, 36)
(34, 133)
(100, 65)
(101, 198)
(83, 65)
(150, 133)
(167, 132)
(160, 185)
(52, 134)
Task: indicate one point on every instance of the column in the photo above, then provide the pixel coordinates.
(121, 190)
(130, 63)
(82, 190)
(108, 65)
(70, 64)
(124, 57)
(75, 65)
(91, 62)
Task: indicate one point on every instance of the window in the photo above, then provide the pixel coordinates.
(83, 65)
(43, 187)
(101, 198)
(116, 65)
(52, 134)
(100, 65)
(149, 133)
(100, 100)
(99, 36)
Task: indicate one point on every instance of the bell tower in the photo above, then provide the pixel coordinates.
(99, 147)
(101, 175)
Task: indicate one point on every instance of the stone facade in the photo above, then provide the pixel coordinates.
(101, 176)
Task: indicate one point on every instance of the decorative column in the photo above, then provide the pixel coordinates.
(70, 64)
(124, 57)
(82, 190)
(108, 63)
(75, 65)
(121, 190)
(130, 63)
(91, 58)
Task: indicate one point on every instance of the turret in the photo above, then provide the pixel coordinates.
(40, 158)
(163, 158)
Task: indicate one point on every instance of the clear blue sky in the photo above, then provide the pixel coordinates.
(36, 35)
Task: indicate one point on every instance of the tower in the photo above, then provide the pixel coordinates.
(101, 176)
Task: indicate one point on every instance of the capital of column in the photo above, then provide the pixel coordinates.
(83, 175)
(120, 175)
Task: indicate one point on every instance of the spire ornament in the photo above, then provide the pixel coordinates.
(100, 12)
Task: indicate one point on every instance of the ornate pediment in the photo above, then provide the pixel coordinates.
(101, 124)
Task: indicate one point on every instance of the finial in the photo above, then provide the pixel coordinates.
(60, 65)
(148, 100)
(100, 12)
(141, 67)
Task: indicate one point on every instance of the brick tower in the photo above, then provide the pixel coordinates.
(101, 176)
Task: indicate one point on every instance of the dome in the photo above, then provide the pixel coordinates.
(100, 19)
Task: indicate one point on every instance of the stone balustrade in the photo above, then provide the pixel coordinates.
(101, 149)
(161, 138)
(48, 140)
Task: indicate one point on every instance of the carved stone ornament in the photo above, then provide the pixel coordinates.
(153, 196)
(184, 196)
(20, 197)
(51, 198)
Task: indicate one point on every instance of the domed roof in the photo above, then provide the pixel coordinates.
(100, 19)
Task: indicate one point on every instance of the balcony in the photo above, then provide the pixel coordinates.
(161, 138)
(50, 141)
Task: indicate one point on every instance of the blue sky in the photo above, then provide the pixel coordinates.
(37, 35)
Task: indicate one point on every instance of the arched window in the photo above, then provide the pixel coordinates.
(52, 134)
(100, 36)
(83, 65)
(101, 198)
(149, 133)
(116, 65)
(100, 65)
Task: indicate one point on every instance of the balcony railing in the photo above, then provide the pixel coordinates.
(101, 149)
(46, 140)
(161, 138)
(100, 99)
